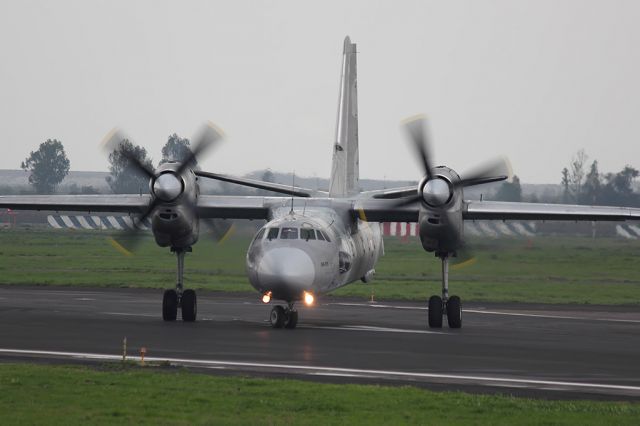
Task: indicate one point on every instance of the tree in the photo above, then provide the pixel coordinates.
(268, 176)
(125, 178)
(618, 189)
(48, 166)
(590, 193)
(566, 193)
(176, 149)
(510, 191)
(577, 173)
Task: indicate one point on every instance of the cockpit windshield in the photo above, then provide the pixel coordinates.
(289, 234)
(307, 234)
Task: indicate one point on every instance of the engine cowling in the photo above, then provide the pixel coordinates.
(440, 219)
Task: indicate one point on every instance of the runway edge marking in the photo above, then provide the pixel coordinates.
(489, 312)
(337, 371)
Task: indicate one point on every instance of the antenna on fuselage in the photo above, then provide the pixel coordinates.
(293, 185)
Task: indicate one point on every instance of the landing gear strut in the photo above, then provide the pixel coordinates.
(445, 305)
(284, 317)
(179, 298)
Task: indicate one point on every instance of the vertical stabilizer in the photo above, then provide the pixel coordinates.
(345, 173)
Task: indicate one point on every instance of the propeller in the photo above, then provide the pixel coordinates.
(434, 191)
(219, 229)
(165, 185)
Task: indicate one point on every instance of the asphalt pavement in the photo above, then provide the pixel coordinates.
(547, 351)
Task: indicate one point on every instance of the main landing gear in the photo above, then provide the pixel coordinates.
(179, 298)
(445, 305)
(284, 317)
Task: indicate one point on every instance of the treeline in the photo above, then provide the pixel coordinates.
(49, 165)
(582, 183)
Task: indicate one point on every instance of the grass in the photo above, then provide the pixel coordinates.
(121, 394)
(544, 270)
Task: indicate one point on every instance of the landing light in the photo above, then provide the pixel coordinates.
(266, 298)
(308, 298)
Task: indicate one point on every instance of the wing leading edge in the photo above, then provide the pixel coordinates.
(83, 203)
(209, 206)
(498, 210)
(386, 210)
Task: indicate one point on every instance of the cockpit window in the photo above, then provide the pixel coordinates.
(307, 234)
(273, 233)
(259, 235)
(326, 237)
(289, 234)
(320, 236)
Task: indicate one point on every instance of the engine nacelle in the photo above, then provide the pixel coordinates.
(175, 226)
(440, 218)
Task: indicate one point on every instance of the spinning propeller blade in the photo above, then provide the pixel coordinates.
(115, 141)
(416, 129)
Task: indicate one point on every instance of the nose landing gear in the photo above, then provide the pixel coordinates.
(184, 299)
(284, 317)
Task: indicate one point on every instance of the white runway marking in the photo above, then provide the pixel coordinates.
(482, 311)
(352, 372)
(517, 314)
(371, 328)
(127, 314)
(378, 305)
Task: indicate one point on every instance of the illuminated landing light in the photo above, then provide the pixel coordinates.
(308, 298)
(266, 298)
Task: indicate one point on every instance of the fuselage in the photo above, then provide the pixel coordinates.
(313, 251)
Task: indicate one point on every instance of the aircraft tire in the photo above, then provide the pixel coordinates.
(169, 305)
(292, 320)
(277, 317)
(454, 312)
(435, 312)
(189, 306)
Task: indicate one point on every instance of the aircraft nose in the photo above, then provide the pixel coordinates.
(286, 267)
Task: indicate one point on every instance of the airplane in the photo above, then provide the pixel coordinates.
(314, 242)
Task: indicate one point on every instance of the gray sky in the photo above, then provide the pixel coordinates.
(532, 80)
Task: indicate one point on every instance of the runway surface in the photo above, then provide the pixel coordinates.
(533, 350)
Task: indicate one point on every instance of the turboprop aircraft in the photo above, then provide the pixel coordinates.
(314, 242)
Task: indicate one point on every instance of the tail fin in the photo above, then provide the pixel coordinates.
(345, 168)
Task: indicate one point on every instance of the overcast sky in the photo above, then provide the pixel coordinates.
(532, 80)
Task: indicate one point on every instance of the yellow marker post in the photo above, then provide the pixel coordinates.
(143, 351)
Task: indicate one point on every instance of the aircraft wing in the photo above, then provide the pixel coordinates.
(82, 203)
(386, 210)
(498, 210)
(210, 206)
(373, 210)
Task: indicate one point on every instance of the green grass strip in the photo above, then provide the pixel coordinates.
(538, 270)
(115, 394)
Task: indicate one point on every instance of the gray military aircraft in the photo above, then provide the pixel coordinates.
(315, 242)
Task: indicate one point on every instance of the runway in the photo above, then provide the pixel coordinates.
(533, 350)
